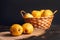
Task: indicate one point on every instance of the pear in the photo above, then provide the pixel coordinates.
(28, 28)
(16, 30)
(47, 13)
(37, 14)
(28, 15)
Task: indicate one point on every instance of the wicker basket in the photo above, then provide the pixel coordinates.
(41, 23)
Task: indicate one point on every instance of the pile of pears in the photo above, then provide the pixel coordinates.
(17, 29)
(39, 13)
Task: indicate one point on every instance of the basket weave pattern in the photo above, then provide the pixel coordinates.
(42, 23)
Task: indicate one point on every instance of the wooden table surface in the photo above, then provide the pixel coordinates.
(52, 34)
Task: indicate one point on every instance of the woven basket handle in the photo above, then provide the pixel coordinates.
(55, 11)
(22, 13)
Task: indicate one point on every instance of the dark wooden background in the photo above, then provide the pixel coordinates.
(10, 10)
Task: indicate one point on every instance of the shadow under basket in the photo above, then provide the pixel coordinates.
(41, 23)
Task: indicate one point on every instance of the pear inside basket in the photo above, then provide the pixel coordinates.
(41, 19)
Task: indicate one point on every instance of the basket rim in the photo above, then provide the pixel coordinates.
(40, 17)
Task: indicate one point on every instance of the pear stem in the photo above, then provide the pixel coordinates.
(22, 13)
(55, 11)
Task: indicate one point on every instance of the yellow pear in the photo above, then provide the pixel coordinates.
(47, 13)
(37, 14)
(28, 28)
(16, 29)
(28, 15)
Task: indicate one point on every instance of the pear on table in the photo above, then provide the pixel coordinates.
(28, 28)
(16, 29)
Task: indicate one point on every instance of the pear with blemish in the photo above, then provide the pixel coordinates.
(28, 28)
(16, 30)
